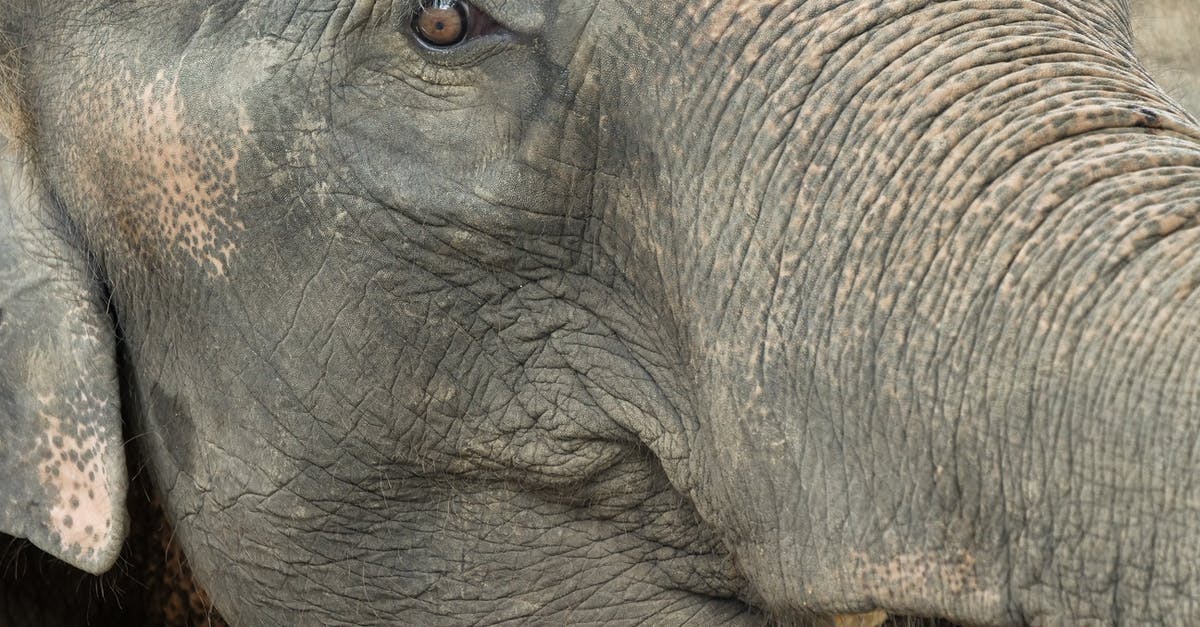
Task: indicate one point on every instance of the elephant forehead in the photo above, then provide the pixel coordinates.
(165, 185)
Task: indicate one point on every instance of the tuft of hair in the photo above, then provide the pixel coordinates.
(12, 118)
(7, 85)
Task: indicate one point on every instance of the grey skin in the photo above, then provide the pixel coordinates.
(679, 312)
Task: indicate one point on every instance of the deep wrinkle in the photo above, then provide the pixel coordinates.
(716, 311)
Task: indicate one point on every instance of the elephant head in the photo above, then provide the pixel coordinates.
(579, 311)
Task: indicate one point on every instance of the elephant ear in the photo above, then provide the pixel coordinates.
(62, 465)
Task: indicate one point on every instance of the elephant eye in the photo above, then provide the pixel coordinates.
(444, 24)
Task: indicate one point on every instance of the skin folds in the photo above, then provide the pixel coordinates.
(706, 312)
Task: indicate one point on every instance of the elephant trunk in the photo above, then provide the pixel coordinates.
(940, 303)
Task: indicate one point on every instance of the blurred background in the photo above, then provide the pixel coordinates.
(1167, 36)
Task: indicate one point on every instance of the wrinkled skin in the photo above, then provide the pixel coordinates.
(704, 312)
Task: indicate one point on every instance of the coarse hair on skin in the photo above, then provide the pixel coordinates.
(13, 117)
(8, 86)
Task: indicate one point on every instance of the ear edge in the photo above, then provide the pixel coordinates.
(62, 469)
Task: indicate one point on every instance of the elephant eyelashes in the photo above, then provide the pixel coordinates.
(447, 23)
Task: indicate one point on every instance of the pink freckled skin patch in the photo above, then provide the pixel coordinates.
(62, 468)
(72, 473)
(196, 188)
(917, 575)
(158, 183)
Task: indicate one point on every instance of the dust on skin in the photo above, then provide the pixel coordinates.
(71, 471)
(913, 575)
(168, 185)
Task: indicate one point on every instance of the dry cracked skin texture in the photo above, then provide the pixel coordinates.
(204, 204)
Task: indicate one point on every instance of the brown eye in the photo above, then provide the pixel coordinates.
(443, 23)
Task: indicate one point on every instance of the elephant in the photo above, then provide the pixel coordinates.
(705, 312)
